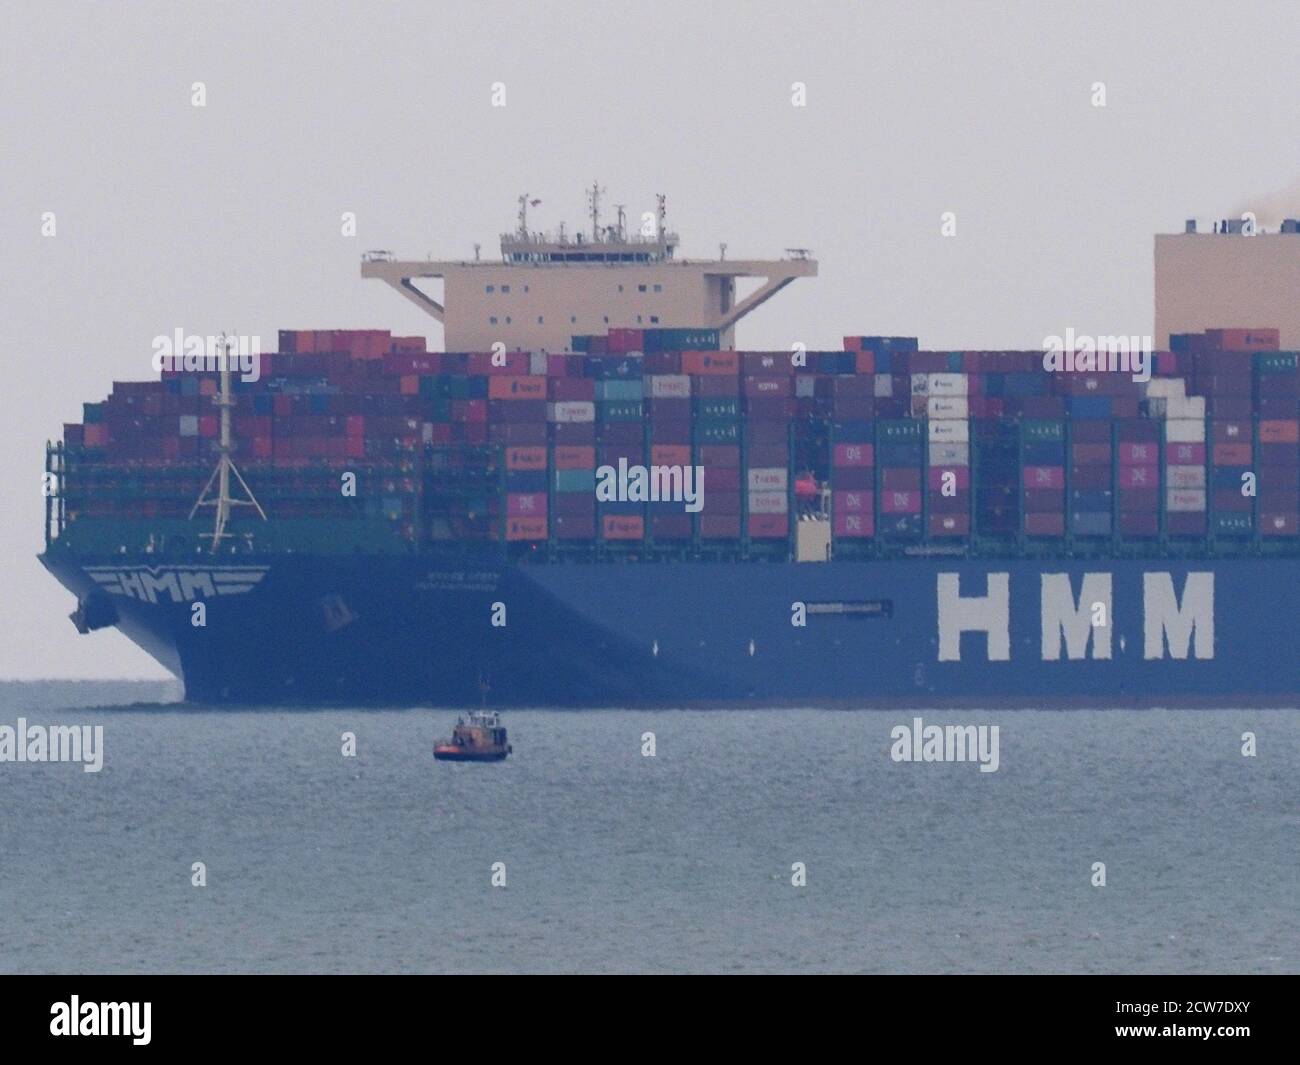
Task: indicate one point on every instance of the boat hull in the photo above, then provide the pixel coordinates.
(451, 631)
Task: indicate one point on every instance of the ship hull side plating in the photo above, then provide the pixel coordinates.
(420, 630)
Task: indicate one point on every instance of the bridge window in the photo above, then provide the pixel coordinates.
(490, 288)
(573, 319)
(659, 288)
(492, 320)
(505, 288)
(539, 319)
(640, 288)
(654, 319)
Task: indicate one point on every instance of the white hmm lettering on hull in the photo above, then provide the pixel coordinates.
(1082, 624)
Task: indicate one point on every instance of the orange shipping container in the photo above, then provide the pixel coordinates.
(866, 362)
(1279, 432)
(410, 385)
(671, 454)
(503, 387)
(1232, 455)
(525, 528)
(710, 363)
(575, 457)
(623, 527)
(525, 458)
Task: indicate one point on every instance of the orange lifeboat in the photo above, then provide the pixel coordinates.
(481, 738)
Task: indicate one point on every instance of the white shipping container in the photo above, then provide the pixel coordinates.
(769, 503)
(920, 384)
(1185, 431)
(670, 386)
(1185, 407)
(769, 479)
(1165, 387)
(949, 384)
(884, 385)
(573, 410)
(1184, 500)
(950, 454)
(537, 363)
(948, 407)
(1185, 476)
(949, 431)
(189, 425)
(804, 386)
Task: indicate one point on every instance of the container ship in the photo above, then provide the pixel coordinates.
(593, 498)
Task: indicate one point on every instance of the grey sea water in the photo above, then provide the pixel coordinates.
(617, 862)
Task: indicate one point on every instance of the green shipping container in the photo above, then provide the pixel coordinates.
(899, 431)
(719, 409)
(575, 481)
(619, 390)
(718, 433)
(1276, 362)
(1037, 430)
(618, 411)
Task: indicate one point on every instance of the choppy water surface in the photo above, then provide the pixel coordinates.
(619, 862)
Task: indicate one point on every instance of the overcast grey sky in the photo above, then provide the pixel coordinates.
(171, 216)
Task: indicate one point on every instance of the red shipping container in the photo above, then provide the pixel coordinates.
(866, 362)
(1278, 523)
(902, 478)
(723, 500)
(1185, 454)
(1139, 477)
(575, 458)
(516, 387)
(622, 341)
(573, 389)
(1044, 524)
(1139, 523)
(575, 526)
(951, 524)
(1044, 476)
(670, 455)
(858, 478)
(1233, 454)
(526, 504)
(722, 478)
(767, 386)
(849, 525)
(855, 502)
(900, 502)
(1279, 432)
(717, 386)
(960, 479)
(670, 526)
(720, 526)
(710, 363)
(769, 526)
(854, 455)
(526, 528)
(1243, 339)
(711, 455)
(209, 425)
(623, 527)
(525, 458)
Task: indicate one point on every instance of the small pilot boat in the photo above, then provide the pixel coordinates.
(481, 738)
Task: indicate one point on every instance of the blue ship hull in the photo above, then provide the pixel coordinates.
(284, 630)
